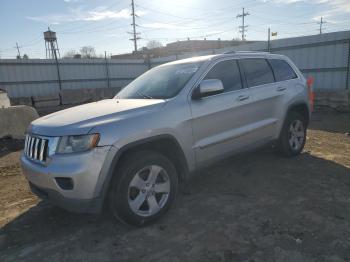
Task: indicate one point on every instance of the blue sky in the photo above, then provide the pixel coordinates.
(104, 24)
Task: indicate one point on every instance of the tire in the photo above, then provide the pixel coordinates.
(143, 188)
(293, 135)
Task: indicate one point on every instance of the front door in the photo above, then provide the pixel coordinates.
(221, 121)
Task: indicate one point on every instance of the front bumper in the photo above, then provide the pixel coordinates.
(83, 169)
(73, 205)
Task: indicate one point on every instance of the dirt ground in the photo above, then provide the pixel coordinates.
(253, 207)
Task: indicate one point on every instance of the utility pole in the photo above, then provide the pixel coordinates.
(243, 27)
(268, 39)
(135, 35)
(107, 71)
(321, 24)
(19, 53)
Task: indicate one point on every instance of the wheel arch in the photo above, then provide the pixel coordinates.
(164, 144)
(301, 108)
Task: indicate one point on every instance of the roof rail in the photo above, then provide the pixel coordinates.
(246, 52)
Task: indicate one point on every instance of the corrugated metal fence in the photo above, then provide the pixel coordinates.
(40, 77)
(326, 57)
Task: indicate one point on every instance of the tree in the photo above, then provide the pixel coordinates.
(153, 44)
(70, 54)
(88, 52)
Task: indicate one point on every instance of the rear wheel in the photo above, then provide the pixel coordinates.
(293, 135)
(143, 188)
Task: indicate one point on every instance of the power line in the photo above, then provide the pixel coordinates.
(190, 23)
(204, 15)
(220, 22)
(193, 37)
(281, 22)
(97, 29)
(243, 27)
(89, 23)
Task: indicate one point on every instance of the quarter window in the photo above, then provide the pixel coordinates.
(282, 70)
(257, 71)
(228, 73)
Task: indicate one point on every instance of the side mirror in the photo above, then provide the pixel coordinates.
(208, 87)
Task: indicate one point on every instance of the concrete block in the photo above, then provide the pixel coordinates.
(16, 101)
(339, 100)
(77, 96)
(110, 92)
(43, 111)
(14, 120)
(4, 100)
(46, 101)
(97, 94)
(81, 96)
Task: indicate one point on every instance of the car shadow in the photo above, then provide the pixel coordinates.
(9, 145)
(248, 204)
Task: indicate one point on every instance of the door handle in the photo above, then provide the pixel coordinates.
(242, 97)
(280, 88)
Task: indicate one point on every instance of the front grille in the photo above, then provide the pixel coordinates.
(36, 148)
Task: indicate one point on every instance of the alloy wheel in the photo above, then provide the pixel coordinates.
(296, 135)
(149, 190)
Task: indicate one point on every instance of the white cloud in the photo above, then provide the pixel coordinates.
(101, 15)
(96, 14)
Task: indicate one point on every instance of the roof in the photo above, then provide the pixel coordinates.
(229, 54)
(192, 59)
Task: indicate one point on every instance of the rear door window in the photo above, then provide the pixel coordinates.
(257, 71)
(282, 70)
(228, 72)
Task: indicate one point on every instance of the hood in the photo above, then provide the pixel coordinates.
(81, 119)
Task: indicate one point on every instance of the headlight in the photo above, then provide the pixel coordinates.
(80, 143)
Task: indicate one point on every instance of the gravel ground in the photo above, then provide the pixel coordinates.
(252, 207)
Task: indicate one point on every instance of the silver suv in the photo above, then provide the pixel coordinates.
(131, 152)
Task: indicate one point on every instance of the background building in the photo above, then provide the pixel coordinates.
(181, 47)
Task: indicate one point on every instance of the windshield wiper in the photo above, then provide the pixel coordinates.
(143, 95)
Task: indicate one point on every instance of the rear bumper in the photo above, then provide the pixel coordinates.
(93, 206)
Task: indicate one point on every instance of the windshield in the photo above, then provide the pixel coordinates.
(161, 82)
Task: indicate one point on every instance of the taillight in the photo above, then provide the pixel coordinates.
(310, 82)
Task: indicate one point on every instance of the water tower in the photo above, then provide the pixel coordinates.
(51, 45)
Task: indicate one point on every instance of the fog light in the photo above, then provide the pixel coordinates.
(65, 183)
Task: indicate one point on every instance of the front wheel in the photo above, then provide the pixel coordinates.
(143, 188)
(293, 135)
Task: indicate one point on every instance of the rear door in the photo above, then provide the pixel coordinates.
(265, 97)
(286, 88)
(219, 121)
